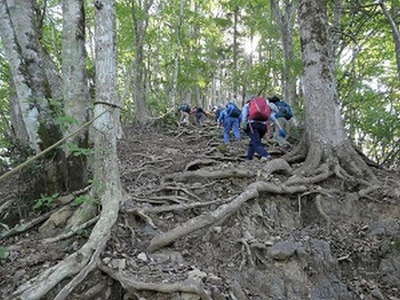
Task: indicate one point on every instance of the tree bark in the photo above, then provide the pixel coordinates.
(76, 91)
(395, 32)
(235, 53)
(27, 61)
(140, 16)
(285, 21)
(106, 170)
(325, 136)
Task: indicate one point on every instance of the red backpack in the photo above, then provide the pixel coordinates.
(259, 109)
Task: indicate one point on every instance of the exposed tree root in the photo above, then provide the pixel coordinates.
(71, 232)
(196, 164)
(209, 218)
(298, 154)
(321, 210)
(132, 285)
(217, 174)
(325, 174)
(67, 289)
(237, 291)
(278, 165)
(64, 200)
(177, 207)
(25, 227)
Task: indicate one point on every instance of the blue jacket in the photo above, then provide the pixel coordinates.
(222, 116)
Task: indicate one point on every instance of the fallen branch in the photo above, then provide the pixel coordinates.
(209, 218)
(132, 285)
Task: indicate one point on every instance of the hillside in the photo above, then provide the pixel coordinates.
(199, 222)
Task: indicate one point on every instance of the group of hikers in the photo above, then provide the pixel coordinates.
(259, 116)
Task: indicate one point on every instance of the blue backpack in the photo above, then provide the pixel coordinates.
(285, 111)
(233, 111)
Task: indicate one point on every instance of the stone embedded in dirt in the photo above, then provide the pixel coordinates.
(167, 256)
(377, 294)
(142, 256)
(283, 250)
(196, 274)
(388, 227)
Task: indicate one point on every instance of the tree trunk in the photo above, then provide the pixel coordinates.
(235, 53)
(175, 78)
(106, 171)
(285, 21)
(325, 138)
(395, 33)
(25, 55)
(140, 15)
(76, 91)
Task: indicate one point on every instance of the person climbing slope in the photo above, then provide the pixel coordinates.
(230, 119)
(255, 115)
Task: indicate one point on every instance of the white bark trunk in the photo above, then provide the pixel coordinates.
(76, 91)
(323, 120)
(25, 101)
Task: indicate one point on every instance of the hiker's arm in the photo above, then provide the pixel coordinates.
(244, 114)
(282, 131)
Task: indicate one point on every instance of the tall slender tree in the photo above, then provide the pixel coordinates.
(140, 16)
(76, 90)
(285, 18)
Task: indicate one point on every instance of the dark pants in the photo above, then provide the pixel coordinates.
(256, 131)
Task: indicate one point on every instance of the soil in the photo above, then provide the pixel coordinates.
(277, 246)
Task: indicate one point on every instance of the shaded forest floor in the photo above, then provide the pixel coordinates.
(327, 242)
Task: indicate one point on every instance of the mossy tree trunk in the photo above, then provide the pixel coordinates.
(19, 33)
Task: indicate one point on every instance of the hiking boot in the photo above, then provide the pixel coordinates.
(266, 158)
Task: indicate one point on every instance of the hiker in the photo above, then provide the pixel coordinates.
(184, 110)
(255, 115)
(200, 115)
(217, 111)
(283, 113)
(230, 119)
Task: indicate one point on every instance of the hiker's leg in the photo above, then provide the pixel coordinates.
(259, 132)
(236, 128)
(227, 129)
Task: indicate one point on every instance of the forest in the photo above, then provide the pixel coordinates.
(106, 194)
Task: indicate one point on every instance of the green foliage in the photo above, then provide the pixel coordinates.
(75, 150)
(82, 199)
(65, 121)
(45, 202)
(4, 253)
